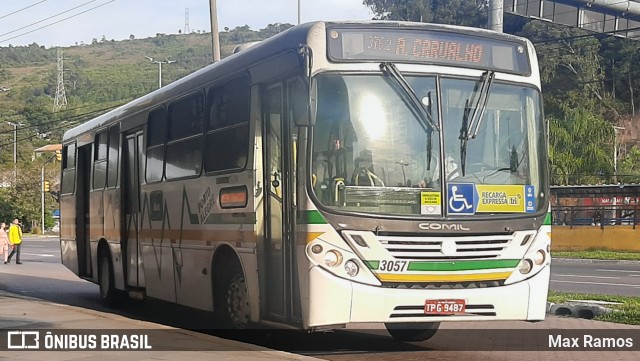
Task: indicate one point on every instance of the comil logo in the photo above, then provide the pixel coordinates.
(442, 227)
(23, 340)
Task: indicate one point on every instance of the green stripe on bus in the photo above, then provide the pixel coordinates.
(463, 265)
(547, 220)
(311, 217)
(372, 264)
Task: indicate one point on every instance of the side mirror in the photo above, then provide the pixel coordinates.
(299, 97)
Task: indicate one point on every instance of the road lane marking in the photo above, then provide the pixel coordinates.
(599, 283)
(616, 270)
(38, 254)
(585, 276)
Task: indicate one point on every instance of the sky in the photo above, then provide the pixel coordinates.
(69, 22)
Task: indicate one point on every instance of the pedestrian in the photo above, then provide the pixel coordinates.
(5, 245)
(15, 238)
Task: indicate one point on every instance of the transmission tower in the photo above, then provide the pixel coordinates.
(61, 99)
(186, 21)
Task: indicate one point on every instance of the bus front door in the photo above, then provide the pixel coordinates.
(278, 257)
(133, 171)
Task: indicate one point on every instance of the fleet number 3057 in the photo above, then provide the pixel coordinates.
(393, 266)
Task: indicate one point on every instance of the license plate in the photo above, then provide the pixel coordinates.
(445, 307)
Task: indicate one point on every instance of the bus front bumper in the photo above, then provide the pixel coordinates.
(335, 301)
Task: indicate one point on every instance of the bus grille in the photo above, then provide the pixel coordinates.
(443, 285)
(445, 248)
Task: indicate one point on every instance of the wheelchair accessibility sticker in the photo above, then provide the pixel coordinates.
(470, 198)
(461, 198)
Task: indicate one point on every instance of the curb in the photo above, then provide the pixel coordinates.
(577, 309)
(587, 260)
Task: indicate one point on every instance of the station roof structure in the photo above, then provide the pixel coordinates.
(619, 18)
(623, 190)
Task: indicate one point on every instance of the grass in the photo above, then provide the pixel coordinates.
(628, 312)
(599, 254)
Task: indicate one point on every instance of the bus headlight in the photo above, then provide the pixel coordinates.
(539, 257)
(351, 267)
(332, 258)
(525, 266)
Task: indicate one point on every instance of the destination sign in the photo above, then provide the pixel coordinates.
(428, 46)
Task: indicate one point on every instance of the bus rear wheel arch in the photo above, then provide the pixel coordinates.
(412, 332)
(231, 297)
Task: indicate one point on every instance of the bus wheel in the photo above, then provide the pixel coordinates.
(105, 280)
(412, 332)
(235, 305)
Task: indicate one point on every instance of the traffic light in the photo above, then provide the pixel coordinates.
(45, 186)
(58, 155)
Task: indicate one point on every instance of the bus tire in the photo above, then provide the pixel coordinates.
(233, 301)
(108, 292)
(412, 332)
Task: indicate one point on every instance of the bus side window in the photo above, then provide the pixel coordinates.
(69, 169)
(114, 145)
(185, 129)
(156, 137)
(100, 160)
(227, 139)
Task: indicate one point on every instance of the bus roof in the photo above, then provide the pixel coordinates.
(240, 61)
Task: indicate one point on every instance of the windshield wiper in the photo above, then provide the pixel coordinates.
(426, 120)
(424, 117)
(476, 118)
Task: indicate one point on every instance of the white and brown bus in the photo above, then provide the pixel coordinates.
(337, 173)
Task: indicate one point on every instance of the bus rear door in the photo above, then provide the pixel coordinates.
(133, 172)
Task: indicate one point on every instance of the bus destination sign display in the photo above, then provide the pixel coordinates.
(428, 46)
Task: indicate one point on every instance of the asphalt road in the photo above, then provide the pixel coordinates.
(604, 277)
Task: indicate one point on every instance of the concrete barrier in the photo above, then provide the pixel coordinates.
(581, 238)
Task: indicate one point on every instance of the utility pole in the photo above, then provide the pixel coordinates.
(215, 38)
(61, 99)
(15, 152)
(615, 152)
(298, 12)
(495, 15)
(166, 61)
(615, 167)
(186, 21)
(43, 190)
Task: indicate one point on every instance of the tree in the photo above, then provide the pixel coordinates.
(419, 10)
(581, 145)
(455, 12)
(570, 69)
(620, 58)
(629, 168)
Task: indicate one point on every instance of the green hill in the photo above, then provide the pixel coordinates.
(97, 77)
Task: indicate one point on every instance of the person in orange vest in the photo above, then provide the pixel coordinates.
(15, 238)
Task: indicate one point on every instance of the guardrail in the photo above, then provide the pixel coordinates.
(595, 216)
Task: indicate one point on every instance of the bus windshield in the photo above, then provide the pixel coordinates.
(372, 153)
